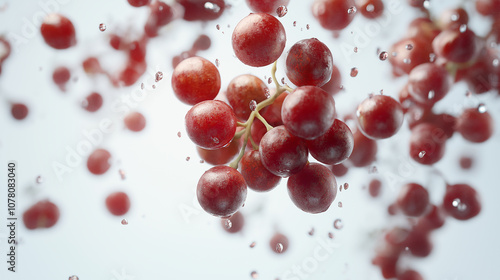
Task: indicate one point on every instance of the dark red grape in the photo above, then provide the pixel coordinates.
(118, 203)
(309, 62)
(453, 18)
(138, 3)
(61, 76)
(428, 83)
(427, 143)
(334, 146)
(220, 156)
(334, 14)
(475, 125)
(308, 112)
(135, 121)
(242, 90)
(339, 170)
(461, 201)
(380, 116)
(92, 102)
(334, 84)
(266, 6)
(282, 153)
(374, 187)
(99, 162)
(364, 150)
(211, 124)
(19, 111)
(43, 214)
(221, 191)
(258, 39)
(413, 200)
(58, 31)
(455, 44)
(313, 189)
(488, 7)
(234, 223)
(196, 79)
(404, 60)
(257, 177)
(202, 9)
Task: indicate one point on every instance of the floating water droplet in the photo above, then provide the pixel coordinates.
(358, 113)
(421, 154)
(463, 28)
(179, 134)
(294, 23)
(73, 277)
(311, 232)
(383, 56)
(142, 85)
(406, 61)
(253, 244)
(355, 49)
(340, 204)
(283, 80)
(217, 63)
(212, 6)
(279, 248)
(102, 27)
(158, 76)
(457, 203)
(153, 86)
(202, 161)
(495, 62)
(253, 105)
(270, 80)
(124, 222)
(188, 158)
(228, 224)
(454, 17)
(427, 4)
(340, 188)
(409, 47)
(218, 27)
(352, 10)
(307, 26)
(39, 179)
(354, 72)
(267, 93)
(330, 235)
(216, 140)
(281, 11)
(431, 94)
(346, 186)
(432, 57)
(337, 224)
(481, 108)
(122, 174)
(254, 274)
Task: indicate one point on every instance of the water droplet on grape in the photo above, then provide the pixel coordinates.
(337, 224)
(370, 8)
(158, 76)
(409, 47)
(253, 244)
(406, 61)
(432, 57)
(279, 248)
(212, 6)
(217, 63)
(463, 28)
(311, 232)
(495, 62)
(421, 154)
(383, 56)
(124, 222)
(340, 204)
(228, 224)
(253, 105)
(431, 94)
(39, 179)
(351, 10)
(267, 93)
(281, 11)
(216, 140)
(73, 277)
(254, 274)
(394, 54)
(330, 235)
(355, 49)
(481, 108)
(427, 4)
(102, 27)
(122, 174)
(354, 72)
(454, 17)
(346, 186)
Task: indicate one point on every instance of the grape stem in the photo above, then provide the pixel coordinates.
(245, 133)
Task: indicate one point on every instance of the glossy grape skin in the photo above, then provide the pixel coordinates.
(135, 121)
(211, 124)
(257, 177)
(138, 3)
(418, 242)
(413, 200)
(98, 162)
(237, 221)
(453, 18)
(258, 39)
(480, 76)
(308, 112)
(161, 14)
(221, 191)
(61, 76)
(371, 9)
(405, 60)
(387, 259)
(309, 62)
(334, 146)
(118, 203)
(364, 150)
(58, 31)
(428, 83)
(380, 116)
(196, 79)
(433, 219)
(455, 45)
(423, 28)
(313, 189)
(333, 86)
(333, 14)
(427, 143)
(242, 90)
(266, 6)
(282, 153)
(475, 126)
(43, 214)
(195, 10)
(461, 201)
(220, 156)
(410, 275)
(93, 102)
(488, 7)
(19, 111)
(339, 170)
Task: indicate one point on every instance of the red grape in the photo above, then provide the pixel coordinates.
(202, 43)
(455, 45)
(118, 203)
(258, 39)
(161, 14)
(413, 200)
(466, 162)
(488, 7)
(334, 146)
(211, 124)
(313, 189)
(220, 156)
(404, 60)
(374, 187)
(202, 9)
(43, 214)
(257, 177)
(461, 201)
(279, 243)
(138, 3)
(475, 125)
(58, 31)
(309, 62)
(424, 28)
(333, 14)
(93, 102)
(19, 111)
(196, 79)
(242, 90)
(427, 143)
(282, 153)
(91, 65)
(266, 6)
(221, 191)
(135, 121)
(61, 76)
(99, 162)
(334, 84)
(428, 83)
(380, 116)
(364, 150)
(234, 223)
(308, 112)
(410, 275)
(434, 219)
(371, 9)
(339, 170)
(453, 18)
